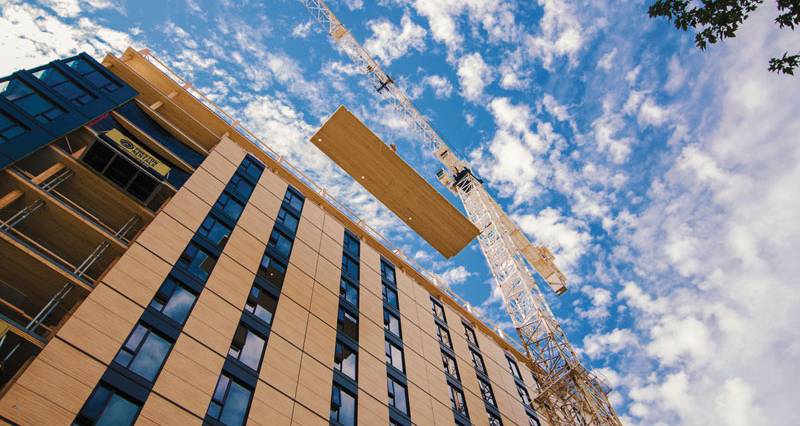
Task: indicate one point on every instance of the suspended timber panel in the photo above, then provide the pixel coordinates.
(357, 150)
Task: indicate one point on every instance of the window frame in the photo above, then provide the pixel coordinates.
(247, 330)
(391, 385)
(447, 361)
(84, 418)
(437, 308)
(136, 352)
(231, 379)
(390, 349)
(454, 390)
(161, 297)
(341, 389)
(387, 325)
(339, 365)
(444, 331)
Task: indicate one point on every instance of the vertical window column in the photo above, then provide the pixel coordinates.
(524, 397)
(396, 380)
(483, 379)
(344, 396)
(457, 400)
(230, 403)
(130, 377)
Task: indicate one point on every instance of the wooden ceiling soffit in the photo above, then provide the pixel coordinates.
(365, 157)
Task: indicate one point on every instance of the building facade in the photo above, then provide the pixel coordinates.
(157, 267)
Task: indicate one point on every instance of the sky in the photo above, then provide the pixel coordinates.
(665, 179)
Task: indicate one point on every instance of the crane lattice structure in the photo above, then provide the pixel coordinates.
(569, 393)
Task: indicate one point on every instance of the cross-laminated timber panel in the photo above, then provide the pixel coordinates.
(353, 146)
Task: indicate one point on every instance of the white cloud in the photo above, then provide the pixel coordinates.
(473, 75)
(606, 62)
(618, 340)
(566, 237)
(676, 76)
(441, 86)
(554, 108)
(31, 36)
(389, 42)
(354, 4)
(494, 17)
(456, 275)
(73, 8)
(561, 34)
(606, 129)
(302, 30)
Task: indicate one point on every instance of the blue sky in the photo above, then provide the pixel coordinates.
(664, 179)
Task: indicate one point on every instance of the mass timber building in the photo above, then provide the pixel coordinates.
(160, 265)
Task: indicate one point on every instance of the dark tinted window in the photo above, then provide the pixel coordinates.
(241, 185)
(107, 406)
(523, 395)
(251, 167)
(272, 270)
(351, 245)
(347, 324)
(391, 323)
(261, 304)
(512, 365)
(390, 297)
(348, 292)
(92, 74)
(457, 400)
(438, 310)
(247, 347)
(444, 336)
(57, 81)
(394, 356)
(174, 300)
(293, 200)
(397, 395)
(477, 361)
(469, 332)
(197, 261)
(229, 402)
(144, 352)
(343, 407)
(10, 128)
(387, 272)
(216, 231)
(288, 220)
(486, 391)
(229, 206)
(280, 243)
(350, 268)
(345, 360)
(24, 97)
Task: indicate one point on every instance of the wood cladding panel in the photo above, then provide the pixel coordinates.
(270, 407)
(385, 175)
(162, 412)
(281, 365)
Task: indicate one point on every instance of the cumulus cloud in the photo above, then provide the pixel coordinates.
(302, 30)
(389, 42)
(618, 340)
(440, 85)
(456, 275)
(494, 17)
(561, 34)
(473, 75)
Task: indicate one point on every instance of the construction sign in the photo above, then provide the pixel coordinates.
(137, 152)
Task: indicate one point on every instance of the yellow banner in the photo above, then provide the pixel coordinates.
(4, 327)
(137, 152)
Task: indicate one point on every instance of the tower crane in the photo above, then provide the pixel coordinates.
(569, 393)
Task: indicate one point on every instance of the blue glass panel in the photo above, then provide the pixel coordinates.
(120, 411)
(179, 304)
(235, 409)
(150, 358)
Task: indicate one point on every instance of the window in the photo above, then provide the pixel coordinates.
(351, 244)
(450, 366)
(343, 407)
(247, 347)
(280, 243)
(271, 270)
(241, 185)
(229, 206)
(444, 336)
(9, 128)
(92, 74)
(293, 199)
(391, 323)
(230, 402)
(512, 365)
(457, 400)
(350, 268)
(107, 406)
(390, 296)
(288, 220)
(494, 420)
(174, 300)
(261, 304)
(121, 171)
(57, 81)
(216, 231)
(21, 95)
(469, 332)
(144, 352)
(486, 391)
(251, 167)
(348, 292)
(347, 324)
(397, 396)
(345, 360)
(523, 395)
(477, 361)
(197, 261)
(394, 356)
(438, 310)
(387, 272)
